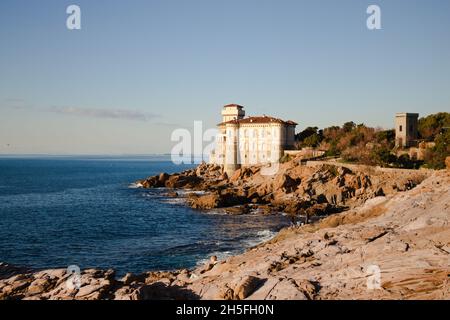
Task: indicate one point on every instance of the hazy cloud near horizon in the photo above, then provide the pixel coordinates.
(125, 114)
(104, 113)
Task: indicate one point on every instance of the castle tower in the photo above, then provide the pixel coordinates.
(232, 112)
(277, 146)
(406, 129)
(232, 162)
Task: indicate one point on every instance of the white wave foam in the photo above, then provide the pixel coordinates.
(220, 257)
(135, 185)
(174, 201)
(261, 236)
(187, 192)
(217, 212)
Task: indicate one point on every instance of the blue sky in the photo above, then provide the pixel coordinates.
(137, 70)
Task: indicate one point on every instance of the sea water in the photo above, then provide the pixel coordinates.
(87, 211)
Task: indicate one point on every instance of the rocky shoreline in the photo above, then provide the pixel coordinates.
(295, 189)
(396, 221)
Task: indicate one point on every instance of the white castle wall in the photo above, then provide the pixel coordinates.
(245, 144)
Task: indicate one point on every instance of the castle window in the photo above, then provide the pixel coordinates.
(400, 128)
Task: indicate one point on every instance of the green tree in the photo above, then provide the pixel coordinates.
(382, 156)
(310, 137)
(435, 157)
(429, 127)
(348, 126)
(386, 136)
(312, 141)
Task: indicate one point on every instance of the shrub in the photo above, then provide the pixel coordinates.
(310, 137)
(435, 157)
(431, 126)
(285, 158)
(382, 156)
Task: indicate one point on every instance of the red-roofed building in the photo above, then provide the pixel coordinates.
(245, 141)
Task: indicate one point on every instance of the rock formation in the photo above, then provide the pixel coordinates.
(315, 190)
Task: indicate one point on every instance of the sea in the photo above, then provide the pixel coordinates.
(87, 211)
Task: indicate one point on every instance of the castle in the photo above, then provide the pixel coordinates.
(248, 141)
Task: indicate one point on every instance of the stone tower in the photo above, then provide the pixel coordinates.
(406, 129)
(232, 162)
(232, 112)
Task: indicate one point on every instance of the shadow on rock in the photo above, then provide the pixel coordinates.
(7, 271)
(160, 291)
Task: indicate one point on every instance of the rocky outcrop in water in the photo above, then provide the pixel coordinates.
(296, 189)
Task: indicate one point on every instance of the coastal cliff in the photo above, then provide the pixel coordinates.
(313, 189)
(372, 220)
